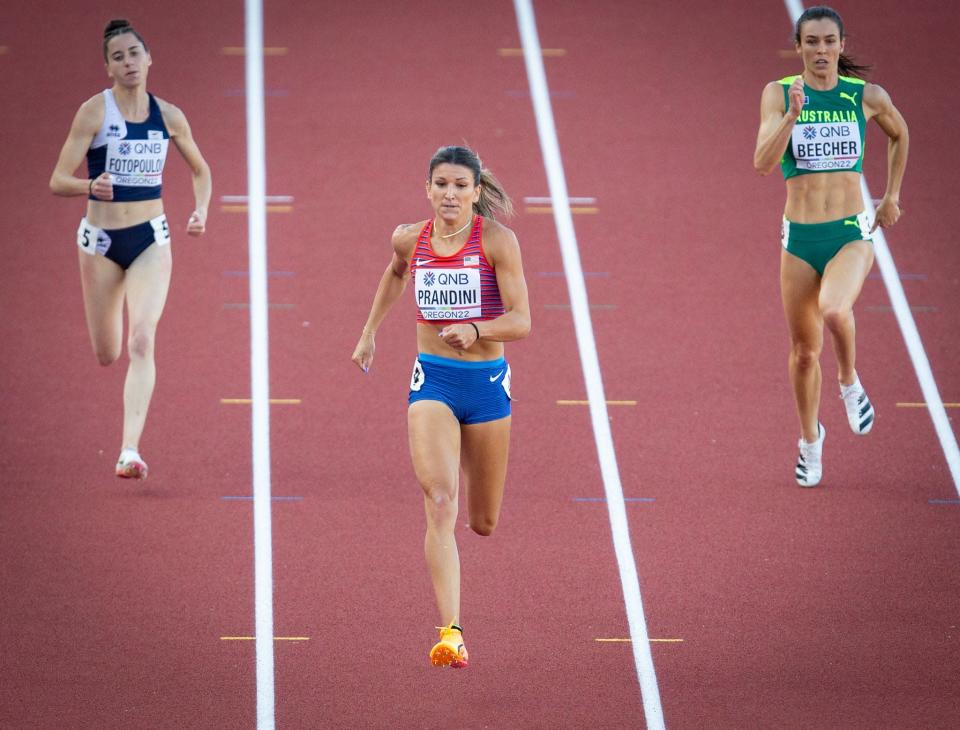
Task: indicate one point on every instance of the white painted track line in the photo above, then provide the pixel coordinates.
(259, 377)
(563, 218)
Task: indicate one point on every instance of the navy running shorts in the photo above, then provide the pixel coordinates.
(123, 245)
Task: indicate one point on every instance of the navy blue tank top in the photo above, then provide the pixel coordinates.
(132, 152)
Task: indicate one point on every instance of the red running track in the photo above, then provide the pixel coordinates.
(833, 607)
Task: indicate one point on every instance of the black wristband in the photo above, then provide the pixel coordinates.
(475, 329)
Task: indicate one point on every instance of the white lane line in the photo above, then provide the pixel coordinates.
(550, 147)
(908, 327)
(259, 375)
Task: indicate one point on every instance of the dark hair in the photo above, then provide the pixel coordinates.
(493, 198)
(846, 66)
(119, 26)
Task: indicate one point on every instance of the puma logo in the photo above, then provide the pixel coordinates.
(851, 222)
(851, 98)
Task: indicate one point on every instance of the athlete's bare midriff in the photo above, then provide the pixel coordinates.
(823, 196)
(429, 342)
(112, 216)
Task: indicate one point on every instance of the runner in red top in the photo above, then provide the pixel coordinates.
(472, 297)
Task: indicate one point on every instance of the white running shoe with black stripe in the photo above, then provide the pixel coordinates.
(859, 409)
(809, 464)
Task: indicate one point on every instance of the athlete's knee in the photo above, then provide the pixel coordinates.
(106, 354)
(483, 525)
(805, 356)
(140, 342)
(836, 316)
(441, 504)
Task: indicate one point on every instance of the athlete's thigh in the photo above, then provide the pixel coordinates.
(485, 450)
(147, 283)
(102, 283)
(434, 434)
(799, 290)
(843, 277)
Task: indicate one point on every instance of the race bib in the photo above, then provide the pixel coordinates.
(448, 294)
(417, 378)
(822, 147)
(92, 240)
(161, 230)
(136, 162)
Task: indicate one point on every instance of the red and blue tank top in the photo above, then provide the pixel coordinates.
(461, 287)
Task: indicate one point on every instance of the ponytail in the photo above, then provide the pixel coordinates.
(847, 66)
(493, 198)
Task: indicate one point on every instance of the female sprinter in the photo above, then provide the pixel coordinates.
(124, 240)
(814, 125)
(471, 298)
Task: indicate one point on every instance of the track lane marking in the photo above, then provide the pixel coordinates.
(587, 402)
(235, 208)
(924, 405)
(629, 641)
(544, 52)
(275, 638)
(264, 51)
(259, 363)
(249, 401)
(563, 219)
(576, 210)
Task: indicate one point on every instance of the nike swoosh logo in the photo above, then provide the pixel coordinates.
(496, 377)
(424, 262)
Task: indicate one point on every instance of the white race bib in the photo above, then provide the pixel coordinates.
(136, 162)
(448, 294)
(821, 147)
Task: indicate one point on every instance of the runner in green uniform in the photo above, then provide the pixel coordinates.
(814, 125)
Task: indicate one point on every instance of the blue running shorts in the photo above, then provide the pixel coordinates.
(476, 392)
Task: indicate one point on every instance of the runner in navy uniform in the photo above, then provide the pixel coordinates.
(124, 239)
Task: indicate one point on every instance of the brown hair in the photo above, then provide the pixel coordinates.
(847, 66)
(493, 198)
(119, 26)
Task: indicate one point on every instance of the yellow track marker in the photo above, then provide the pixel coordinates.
(267, 51)
(630, 641)
(586, 403)
(275, 638)
(248, 401)
(518, 52)
(243, 208)
(575, 209)
(924, 405)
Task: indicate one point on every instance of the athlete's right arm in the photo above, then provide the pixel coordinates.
(87, 121)
(776, 124)
(392, 284)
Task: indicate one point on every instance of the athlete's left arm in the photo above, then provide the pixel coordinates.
(503, 251)
(182, 137)
(877, 104)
